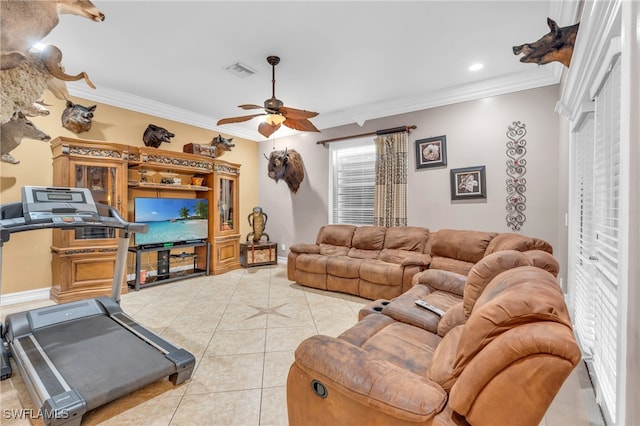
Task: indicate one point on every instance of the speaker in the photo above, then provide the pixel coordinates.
(163, 263)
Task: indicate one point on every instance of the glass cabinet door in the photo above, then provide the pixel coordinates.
(226, 200)
(101, 181)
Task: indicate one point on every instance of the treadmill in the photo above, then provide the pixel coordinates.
(77, 356)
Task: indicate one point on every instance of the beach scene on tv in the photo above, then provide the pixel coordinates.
(171, 219)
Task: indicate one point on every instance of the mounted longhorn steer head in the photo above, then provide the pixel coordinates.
(556, 45)
(13, 131)
(77, 118)
(288, 166)
(154, 136)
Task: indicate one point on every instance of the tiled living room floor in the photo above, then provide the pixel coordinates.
(243, 327)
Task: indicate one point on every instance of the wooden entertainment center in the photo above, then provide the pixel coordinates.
(83, 260)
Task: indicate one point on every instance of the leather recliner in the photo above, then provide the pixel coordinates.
(502, 365)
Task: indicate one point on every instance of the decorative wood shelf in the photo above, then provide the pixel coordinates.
(166, 186)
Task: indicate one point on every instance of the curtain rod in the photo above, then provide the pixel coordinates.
(377, 133)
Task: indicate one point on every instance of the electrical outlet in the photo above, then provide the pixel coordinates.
(283, 246)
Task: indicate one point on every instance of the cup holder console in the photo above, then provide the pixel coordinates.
(374, 307)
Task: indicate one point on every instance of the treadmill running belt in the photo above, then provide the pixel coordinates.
(100, 359)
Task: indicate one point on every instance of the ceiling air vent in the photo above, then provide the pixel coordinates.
(241, 70)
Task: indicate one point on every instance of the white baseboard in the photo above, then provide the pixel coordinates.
(282, 260)
(25, 296)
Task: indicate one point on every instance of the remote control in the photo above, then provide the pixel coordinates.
(430, 307)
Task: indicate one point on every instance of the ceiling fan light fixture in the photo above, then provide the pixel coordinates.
(274, 119)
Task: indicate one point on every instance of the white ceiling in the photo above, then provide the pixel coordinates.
(351, 61)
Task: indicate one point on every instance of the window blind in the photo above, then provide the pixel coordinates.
(606, 231)
(584, 315)
(352, 175)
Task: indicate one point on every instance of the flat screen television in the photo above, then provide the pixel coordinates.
(171, 220)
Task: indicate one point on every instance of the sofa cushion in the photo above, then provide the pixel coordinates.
(383, 273)
(404, 257)
(492, 265)
(343, 266)
(511, 241)
(468, 246)
(314, 263)
(336, 235)
(369, 237)
(401, 344)
(411, 238)
(331, 250)
(447, 264)
(357, 253)
(501, 307)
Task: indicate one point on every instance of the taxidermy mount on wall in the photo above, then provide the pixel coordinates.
(288, 166)
(13, 131)
(77, 118)
(154, 136)
(222, 144)
(556, 45)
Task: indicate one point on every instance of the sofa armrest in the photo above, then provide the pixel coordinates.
(369, 380)
(422, 260)
(439, 279)
(305, 248)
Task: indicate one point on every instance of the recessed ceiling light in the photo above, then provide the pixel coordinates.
(476, 67)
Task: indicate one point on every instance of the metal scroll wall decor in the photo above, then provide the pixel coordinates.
(516, 182)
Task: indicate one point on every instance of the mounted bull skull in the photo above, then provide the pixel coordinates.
(556, 45)
(288, 166)
(13, 131)
(77, 118)
(154, 136)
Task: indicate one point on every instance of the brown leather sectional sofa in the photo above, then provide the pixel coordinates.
(497, 357)
(375, 262)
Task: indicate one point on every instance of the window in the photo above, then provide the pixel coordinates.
(596, 234)
(352, 181)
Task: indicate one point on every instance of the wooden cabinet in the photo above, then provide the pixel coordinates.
(225, 232)
(83, 260)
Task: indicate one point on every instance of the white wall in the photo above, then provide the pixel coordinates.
(476, 135)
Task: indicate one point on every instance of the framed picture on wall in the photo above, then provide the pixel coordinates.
(431, 152)
(468, 183)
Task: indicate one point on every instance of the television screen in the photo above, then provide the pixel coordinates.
(171, 219)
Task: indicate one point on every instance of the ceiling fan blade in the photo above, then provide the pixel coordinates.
(267, 129)
(301, 124)
(296, 113)
(250, 106)
(237, 119)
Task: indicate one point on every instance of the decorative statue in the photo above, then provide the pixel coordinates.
(288, 166)
(556, 45)
(77, 118)
(257, 220)
(154, 135)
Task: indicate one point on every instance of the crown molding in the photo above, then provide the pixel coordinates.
(142, 105)
(525, 80)
(530, 79)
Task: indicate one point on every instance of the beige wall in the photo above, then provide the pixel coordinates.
(476, 135)
(26, 257)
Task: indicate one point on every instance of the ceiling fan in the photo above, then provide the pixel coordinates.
(275, 111)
